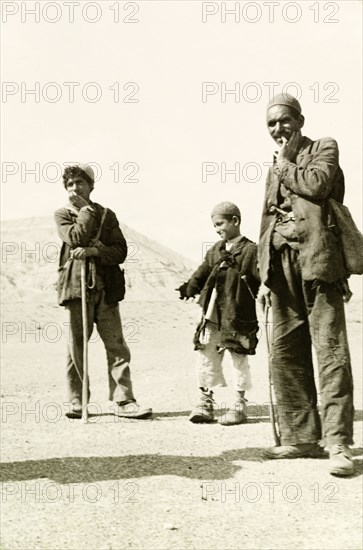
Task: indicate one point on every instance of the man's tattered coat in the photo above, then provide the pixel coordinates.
(315, 177)
(78, 229)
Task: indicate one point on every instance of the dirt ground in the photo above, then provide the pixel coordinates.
(163, 483)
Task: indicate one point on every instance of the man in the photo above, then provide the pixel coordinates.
(90, 232)
(303, 274)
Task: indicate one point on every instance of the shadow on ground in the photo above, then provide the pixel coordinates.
(256, 414)
(250, 420)
(92, 469)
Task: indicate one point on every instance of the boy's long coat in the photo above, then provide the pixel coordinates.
(235, 276)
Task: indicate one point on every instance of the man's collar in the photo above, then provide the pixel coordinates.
(302, 143)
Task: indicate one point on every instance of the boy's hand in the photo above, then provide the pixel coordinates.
(264, 297)
(183, 292)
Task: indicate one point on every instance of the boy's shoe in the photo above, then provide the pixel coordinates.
(340, 460)
(75, 410)
(131, 409)
(236, 415)
(203, 412)
(301, 450)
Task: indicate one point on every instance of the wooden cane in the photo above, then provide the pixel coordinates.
(85, 343)
(273, 419)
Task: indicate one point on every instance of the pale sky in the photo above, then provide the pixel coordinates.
(168, 135)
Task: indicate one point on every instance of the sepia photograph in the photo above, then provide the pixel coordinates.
(181, 261)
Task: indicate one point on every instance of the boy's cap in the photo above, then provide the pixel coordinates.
(226, 208)
(86, 168)
(285, 99)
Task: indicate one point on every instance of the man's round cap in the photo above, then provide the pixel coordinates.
(226, 208)
(285, 99)
(86, 168)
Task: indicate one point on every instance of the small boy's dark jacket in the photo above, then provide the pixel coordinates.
(78, 230)
(235, 275)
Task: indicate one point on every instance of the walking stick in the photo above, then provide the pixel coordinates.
(85, 343)
(273, 418)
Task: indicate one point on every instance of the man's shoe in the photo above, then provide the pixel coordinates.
(236, 415)
(75, 411)
(131, 409)
(301, 450)
(340, 460)
(203, 412)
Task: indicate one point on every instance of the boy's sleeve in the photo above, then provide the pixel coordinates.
(200, 276)
(250, 268)
(254, 265)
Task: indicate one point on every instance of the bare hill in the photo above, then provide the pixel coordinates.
(30, 253)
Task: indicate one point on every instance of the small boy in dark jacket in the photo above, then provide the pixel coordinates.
(227, 282)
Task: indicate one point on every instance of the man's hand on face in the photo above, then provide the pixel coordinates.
(82, 253)
(289, 149)
(77, 200)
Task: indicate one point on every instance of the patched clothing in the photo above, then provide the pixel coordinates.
(227, 282)
(234, 276)
(301, 261)
(303, 188)
(214, 359)
(79, 228)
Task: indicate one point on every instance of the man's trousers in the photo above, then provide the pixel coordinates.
(108, 321)
(306, 313)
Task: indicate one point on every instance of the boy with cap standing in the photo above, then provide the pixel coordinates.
(91, 232)
(227, 282)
